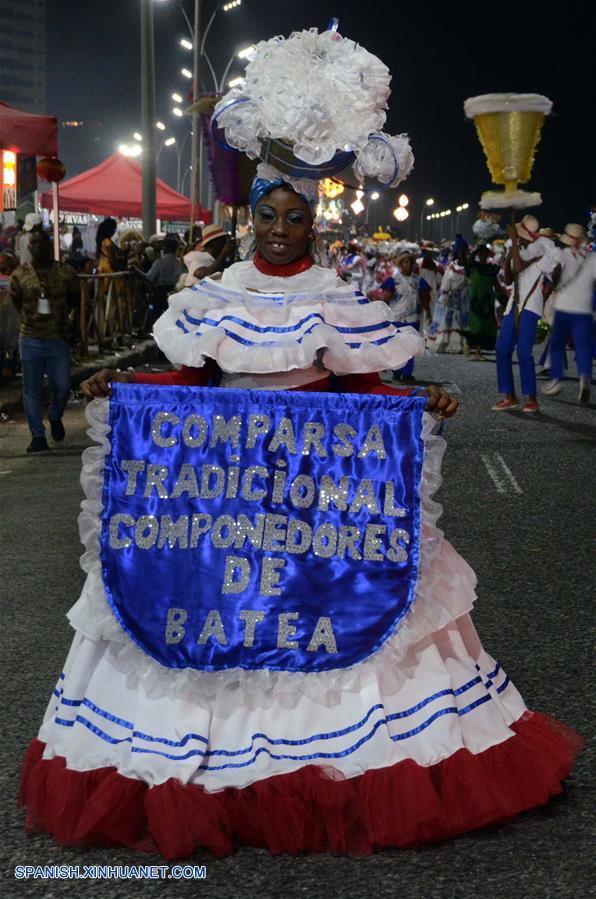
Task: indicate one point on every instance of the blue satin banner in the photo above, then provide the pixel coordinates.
(260, 529)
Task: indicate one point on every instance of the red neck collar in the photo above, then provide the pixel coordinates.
(282, 271)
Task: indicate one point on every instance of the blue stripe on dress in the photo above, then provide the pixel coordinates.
(277, 741)
(288, 329)
(273, 343)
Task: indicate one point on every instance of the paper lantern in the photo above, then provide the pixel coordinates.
(50, 168)
(331, 188)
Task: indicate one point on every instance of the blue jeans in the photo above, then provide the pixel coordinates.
(506, 341)
(39, 357)
(406, 370)
(566, 325)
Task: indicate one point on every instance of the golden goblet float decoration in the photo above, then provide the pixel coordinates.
(508, 127)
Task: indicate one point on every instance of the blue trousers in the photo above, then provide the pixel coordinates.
(566, 325)
(506, 342)
(408, 368)
(39, 357)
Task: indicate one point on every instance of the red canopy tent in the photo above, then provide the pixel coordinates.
(24, 132)
(115, 188)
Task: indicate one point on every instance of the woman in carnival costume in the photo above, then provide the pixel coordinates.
(482, 326)
(406, 301)
(425, 739)
(450, 318)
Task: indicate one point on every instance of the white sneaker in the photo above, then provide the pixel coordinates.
(584, 391)
(552, 388)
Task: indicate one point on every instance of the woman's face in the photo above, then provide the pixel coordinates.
(283, 223)
(406, 265)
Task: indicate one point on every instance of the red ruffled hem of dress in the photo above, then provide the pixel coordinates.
(310, 810)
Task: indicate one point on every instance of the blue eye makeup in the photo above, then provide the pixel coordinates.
(268, 214)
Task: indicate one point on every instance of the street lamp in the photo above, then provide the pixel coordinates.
(169, 142)
(177, 112)
(401, 213)
(458, 209)
(247, 52)
(198, 36)
(185, 43)
(371, 197)
(137, 136)
(177, 98)
(427, 203)
(130, 150)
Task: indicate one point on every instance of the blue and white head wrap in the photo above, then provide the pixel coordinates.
(269, 179)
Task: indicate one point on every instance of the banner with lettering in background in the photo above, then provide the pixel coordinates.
(260, 529)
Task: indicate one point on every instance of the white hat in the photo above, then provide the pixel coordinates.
(32, 219)
(528, 228)
(574, 235)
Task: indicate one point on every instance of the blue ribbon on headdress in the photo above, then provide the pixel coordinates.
(261, 187)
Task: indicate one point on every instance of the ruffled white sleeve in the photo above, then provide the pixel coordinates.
(316, 319)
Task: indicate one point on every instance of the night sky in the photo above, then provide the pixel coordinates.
(438, 55)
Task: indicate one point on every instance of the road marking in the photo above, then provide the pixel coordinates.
(508, 474)
(6, 472)
(493, 474)
(500, 473)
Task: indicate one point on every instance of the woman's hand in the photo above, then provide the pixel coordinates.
(98, 385)
(441, 403)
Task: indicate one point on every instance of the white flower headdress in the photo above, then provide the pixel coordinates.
(312, 105)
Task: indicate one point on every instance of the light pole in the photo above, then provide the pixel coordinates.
(373, 196)
(198, 46)
(168, 142)
(197, 43)
(172, 142)
(148, 118)
(196, 150)
(427, 204)
(459, 209)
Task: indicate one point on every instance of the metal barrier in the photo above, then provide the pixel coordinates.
(113, 309)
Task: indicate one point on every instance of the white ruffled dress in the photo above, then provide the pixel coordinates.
(425, 739)
(252, 323)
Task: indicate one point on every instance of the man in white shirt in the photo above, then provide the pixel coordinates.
(529, 259)
(208, 255)
(33, 222)
(573, 280)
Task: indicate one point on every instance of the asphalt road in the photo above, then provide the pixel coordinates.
(518, 494)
